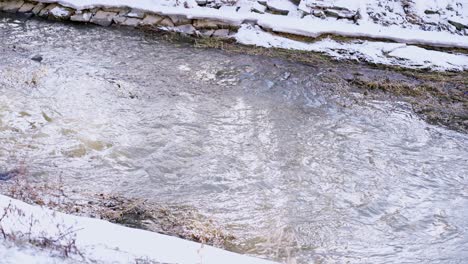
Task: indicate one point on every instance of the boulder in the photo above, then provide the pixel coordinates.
(281, 7)
(205, 24)
(81, 16)
(38, 8)
(207, 33)
(258, 8)
(166, 22)
(186, 29)
(103, 18)
(12, 7)
(119, 19)
(151, 20)
(45, 11)
(135, 13)
(457, 24)
(180, 20)
(60, 13)
(340, 14)
(221, 33)
(26, 8)
(132, 22)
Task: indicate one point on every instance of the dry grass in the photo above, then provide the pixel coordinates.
(180, 221)
(62, 240)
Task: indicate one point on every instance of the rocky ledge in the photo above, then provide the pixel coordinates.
(121, 16)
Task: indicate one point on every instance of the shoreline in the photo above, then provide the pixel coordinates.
(373, 43)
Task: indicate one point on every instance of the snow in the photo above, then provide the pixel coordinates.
(379, 20)
(285, 24)
(371, 51)
(101, 241)
(15, 254)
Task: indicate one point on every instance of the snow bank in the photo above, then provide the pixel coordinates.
(307, 26)
(15, 254)
(406, 23)
(374, 52)
(105, 242)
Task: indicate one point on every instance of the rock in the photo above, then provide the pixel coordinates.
(4, 176)
(205, 24)
(207, 33)
(135, 13)
(81, 17)
(457, 25)
(347, 14)
(221, 33)
(431, 12)
(151, 20)
(179, 20)
(281, 7)
(132, 22)
(166, 22)
(318, 13)
(103, 18)
(45, 11)
(37, 58)
(258, 8)
(12, 7)
(186, 29)
(119, 19)
(38, 8)
(113, 9)
(61, 13)
(26, 8)
(201, 2)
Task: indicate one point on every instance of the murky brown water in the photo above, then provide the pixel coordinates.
(299, 168)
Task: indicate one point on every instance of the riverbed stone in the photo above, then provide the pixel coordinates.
(103, 18)
(27, 7)
(12, 7)
(81, 16)
(151, 20)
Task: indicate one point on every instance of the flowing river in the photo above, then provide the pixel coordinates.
(300, 168)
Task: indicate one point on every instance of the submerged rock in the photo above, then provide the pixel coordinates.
(4, 176)
(37, 58)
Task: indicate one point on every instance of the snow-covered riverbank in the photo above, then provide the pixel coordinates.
(400, 24)
(87, 239)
